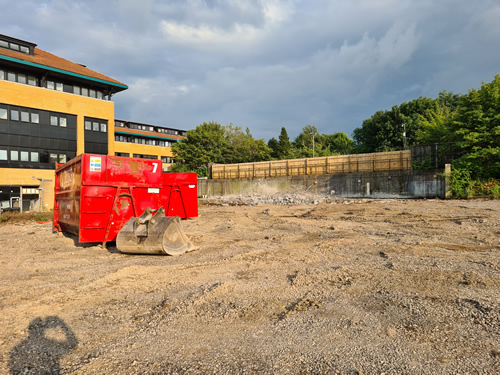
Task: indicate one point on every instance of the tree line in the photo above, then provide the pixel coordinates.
(470, 121)
(212, 142)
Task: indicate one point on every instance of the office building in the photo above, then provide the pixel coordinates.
(52, 110)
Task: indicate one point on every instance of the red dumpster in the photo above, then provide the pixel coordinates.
(179, 194)
(95, 195)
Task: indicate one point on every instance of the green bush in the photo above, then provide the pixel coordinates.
(460, 183)
(463, 186)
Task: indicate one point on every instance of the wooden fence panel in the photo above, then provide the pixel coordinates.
(374, 162)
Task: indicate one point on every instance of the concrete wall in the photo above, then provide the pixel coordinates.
(395, 184)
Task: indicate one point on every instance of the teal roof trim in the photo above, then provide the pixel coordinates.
(62, 71)
(147, 136)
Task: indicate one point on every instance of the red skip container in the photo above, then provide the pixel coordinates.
(95, 195)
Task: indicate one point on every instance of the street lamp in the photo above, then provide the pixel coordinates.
(313, 133)
(404, 136)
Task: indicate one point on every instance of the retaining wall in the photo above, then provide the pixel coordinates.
(393, 184)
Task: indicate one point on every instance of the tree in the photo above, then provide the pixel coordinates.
(284, 145)
(338, 143)
(384, 130)
(273, 145)
(205, 144)
(214, 143)
(476, 128)
(435, 126)
(303, 143)
(243, 148)
(449, 100)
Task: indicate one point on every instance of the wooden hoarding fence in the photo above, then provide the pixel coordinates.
(375, 162)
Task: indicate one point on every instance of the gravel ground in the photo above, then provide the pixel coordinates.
(279, 284)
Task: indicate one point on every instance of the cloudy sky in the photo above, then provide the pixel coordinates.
(264, 64)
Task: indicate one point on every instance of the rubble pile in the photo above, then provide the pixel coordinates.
(279, 199)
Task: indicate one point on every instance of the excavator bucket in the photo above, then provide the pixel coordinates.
(153, 234)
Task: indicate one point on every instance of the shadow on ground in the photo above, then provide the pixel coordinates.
(48, 340)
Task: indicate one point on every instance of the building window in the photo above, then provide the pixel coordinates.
(14, 46)
(18, 77)
(32, 81)
(14, 115)
(62, 158)
(166, 159)
(52, 85)
(53, 120)
(95, 126)
(99, 94)
(62, 122)
(34, 157)
(3, 113)
(88, 125)
(35, 118)
(53, 158)
(25, 116)
(142, 156)
(76, 90)
(92, 93)
(103, 127)
(3, 154)
(85, 91)
(14, 155)
(123, 154)
(25, 156)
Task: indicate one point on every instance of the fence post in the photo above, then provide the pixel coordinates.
(306, 171)
(253, 170)
(287, 169)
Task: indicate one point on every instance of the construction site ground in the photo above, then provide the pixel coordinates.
(331, 286)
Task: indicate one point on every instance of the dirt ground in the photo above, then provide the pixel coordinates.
(348, 287)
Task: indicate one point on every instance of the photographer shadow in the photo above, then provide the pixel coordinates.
(48, 340)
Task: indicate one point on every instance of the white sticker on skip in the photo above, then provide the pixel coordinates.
(153, 190)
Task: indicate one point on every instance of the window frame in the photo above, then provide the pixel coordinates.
(6, 114)
(33, 114)
(12, 117)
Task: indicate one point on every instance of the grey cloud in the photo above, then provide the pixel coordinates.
(267, 64)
